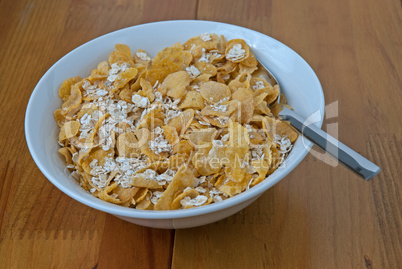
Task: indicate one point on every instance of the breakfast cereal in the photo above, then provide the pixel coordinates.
(190, 127)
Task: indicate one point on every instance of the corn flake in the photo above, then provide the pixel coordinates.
(176, 84)
(65, 89)
(68, 130)
(213, 92)
(183, 178)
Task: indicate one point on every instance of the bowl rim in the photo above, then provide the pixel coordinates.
(180, 213)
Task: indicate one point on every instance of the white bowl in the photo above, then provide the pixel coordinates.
(298, 81)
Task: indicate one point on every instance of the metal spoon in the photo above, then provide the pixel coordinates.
(345, 155)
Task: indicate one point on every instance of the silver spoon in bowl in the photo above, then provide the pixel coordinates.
(345, 155)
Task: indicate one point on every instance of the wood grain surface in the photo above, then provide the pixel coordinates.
(320, 216)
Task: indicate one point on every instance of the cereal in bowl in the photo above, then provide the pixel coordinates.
(190, 127)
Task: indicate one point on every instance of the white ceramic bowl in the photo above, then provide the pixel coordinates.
(298, 81)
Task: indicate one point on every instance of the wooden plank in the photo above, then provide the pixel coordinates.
(40, 227)
(322, 216)
(387, 149)
(125, 245)
(256, 14)
(156, 10)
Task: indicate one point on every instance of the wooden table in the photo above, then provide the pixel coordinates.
(319, 216)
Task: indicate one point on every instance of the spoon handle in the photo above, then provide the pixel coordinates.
(345, 155)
